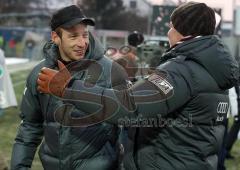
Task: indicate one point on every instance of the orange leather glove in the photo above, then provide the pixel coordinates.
(53, 81)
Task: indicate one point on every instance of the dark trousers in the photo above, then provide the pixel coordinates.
(233, 134)
(222, 152)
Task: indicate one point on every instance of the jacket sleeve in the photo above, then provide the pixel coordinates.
(119, 77)
(161, 93)
(30, 131)
(115, 77)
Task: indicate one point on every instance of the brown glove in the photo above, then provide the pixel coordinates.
(52, 81)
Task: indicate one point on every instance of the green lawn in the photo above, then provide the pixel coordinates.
(10, 121)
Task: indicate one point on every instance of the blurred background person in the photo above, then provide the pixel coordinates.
(30, 44)
(126, 56)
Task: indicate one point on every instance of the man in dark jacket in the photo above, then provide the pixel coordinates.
(64, 147)
(179, 109)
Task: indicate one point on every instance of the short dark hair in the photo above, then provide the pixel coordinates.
(59, 32)
(194, 19)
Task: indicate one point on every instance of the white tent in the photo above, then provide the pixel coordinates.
(7, 95)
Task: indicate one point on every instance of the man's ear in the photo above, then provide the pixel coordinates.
(55, 37)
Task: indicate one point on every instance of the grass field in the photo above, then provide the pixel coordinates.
(10, 121)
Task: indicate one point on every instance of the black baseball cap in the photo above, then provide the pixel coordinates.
(69, 16)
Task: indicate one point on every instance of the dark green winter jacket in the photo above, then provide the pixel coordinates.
(178, 110)
(66, 148)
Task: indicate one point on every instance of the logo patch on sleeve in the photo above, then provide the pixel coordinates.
(161, 83)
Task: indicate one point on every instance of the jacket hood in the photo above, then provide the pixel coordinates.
(213, 55)
(95, 50)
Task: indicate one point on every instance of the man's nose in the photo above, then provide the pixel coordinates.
(81, 42)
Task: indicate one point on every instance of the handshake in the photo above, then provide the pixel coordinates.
(53, 81)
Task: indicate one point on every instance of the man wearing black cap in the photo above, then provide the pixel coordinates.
(92, 147)
(180, 108)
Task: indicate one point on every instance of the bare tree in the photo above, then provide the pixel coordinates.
(111, 14)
